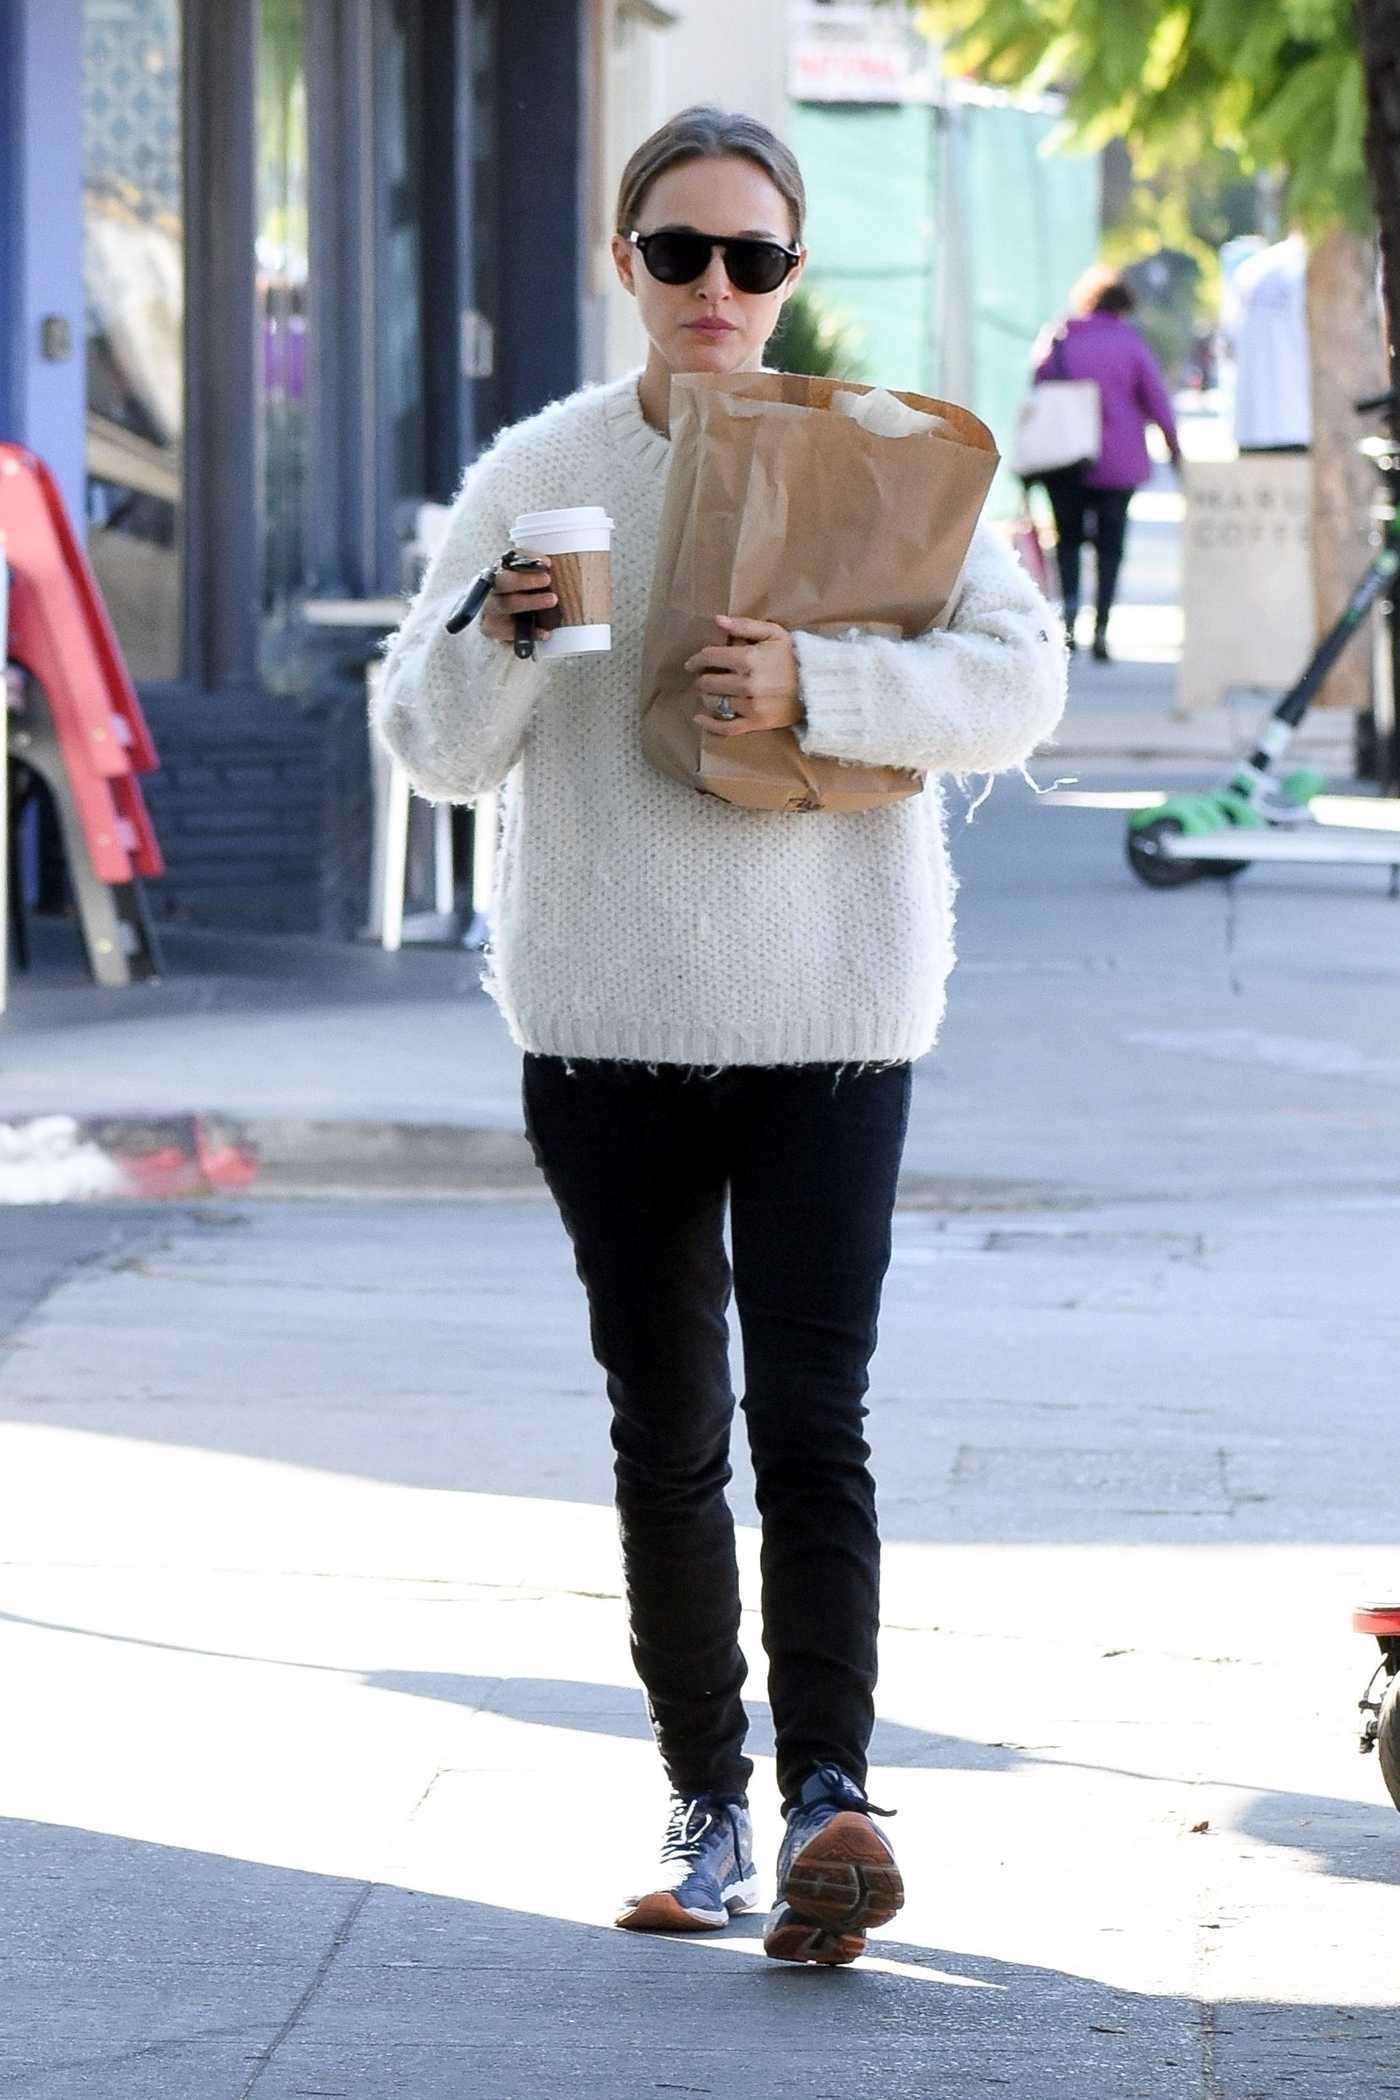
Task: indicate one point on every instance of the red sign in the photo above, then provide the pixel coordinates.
(834, 70)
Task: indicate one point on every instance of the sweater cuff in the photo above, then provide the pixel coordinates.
(839, 718)
(455, 714)
(482, 662)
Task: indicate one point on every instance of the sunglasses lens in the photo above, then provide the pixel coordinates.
(756, 266)
(677, 258)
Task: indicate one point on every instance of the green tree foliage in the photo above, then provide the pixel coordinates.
(1280, 82)
(1194, 209)
(814, 339)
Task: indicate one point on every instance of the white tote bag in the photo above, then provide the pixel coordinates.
(1060, 425)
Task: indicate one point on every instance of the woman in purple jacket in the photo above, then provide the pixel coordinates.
(1091, 504)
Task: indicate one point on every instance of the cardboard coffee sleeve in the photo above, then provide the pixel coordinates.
(583, 585)
(578, 541)
(800, 501)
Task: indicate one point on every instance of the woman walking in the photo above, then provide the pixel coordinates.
(1099, 342)
(718, 1007)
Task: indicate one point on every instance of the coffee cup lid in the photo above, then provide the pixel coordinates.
(577, 518)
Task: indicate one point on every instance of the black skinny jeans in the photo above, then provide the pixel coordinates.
(1099, 516)
(640, 1161)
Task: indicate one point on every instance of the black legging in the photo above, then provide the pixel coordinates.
(641, 1160)
(1099, 516)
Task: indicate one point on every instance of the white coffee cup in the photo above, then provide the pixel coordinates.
(579, 543)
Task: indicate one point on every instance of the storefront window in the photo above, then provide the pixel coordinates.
(282, 258)
(486, 147)
(134, 286)
(400, 118)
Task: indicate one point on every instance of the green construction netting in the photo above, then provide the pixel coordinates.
(949, 237)
(873, 213)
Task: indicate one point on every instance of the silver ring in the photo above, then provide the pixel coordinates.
(726, 711)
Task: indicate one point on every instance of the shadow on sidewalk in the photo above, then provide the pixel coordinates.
(1349, 1840)
(147, 1970)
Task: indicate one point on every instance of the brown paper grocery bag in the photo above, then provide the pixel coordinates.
(778, 507)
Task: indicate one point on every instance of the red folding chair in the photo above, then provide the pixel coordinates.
(79, 727)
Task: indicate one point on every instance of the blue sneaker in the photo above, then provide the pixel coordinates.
(707, 1870)
(836, 1874)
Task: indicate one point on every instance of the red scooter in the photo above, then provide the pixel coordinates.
(1380, 1717)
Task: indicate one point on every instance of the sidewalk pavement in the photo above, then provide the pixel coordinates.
(326, 1761)
(326, 1765)
(297, 1066)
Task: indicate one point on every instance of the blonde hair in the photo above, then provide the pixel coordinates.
(707, 133)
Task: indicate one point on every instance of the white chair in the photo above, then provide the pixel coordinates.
(393, 806)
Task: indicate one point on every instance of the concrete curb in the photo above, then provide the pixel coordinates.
(1107, 738)
(72, 1159)
(50, 1159)
(303, 1157)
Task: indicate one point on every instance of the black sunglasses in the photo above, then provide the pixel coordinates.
(675, 256)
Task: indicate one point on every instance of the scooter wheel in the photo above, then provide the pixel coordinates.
(1388, 1739)
(1159, 870)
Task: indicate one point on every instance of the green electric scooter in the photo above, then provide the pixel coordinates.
(1255, 815)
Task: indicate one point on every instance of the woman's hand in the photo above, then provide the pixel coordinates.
(516, 591)
(754, 673)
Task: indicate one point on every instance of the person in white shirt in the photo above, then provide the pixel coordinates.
(719, 1008)
(1265, 322)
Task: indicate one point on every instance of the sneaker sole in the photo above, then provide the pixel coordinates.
(844, 1879)
(791, 1938)
(660, 1912)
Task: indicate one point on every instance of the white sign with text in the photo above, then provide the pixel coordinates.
(1247, 581)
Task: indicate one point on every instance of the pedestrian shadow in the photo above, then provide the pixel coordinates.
(1343, 1838)
(1349, 1840)
(618, 1710)
(563, 1702)
(152, 1969)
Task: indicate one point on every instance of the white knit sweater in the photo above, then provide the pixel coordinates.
(637, 919)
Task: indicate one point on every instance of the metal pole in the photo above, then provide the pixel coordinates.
(395, 858)
(444, 874)
(1387, 700)
(484, 825)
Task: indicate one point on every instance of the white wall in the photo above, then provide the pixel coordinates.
(733, 52)
(655, 60)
